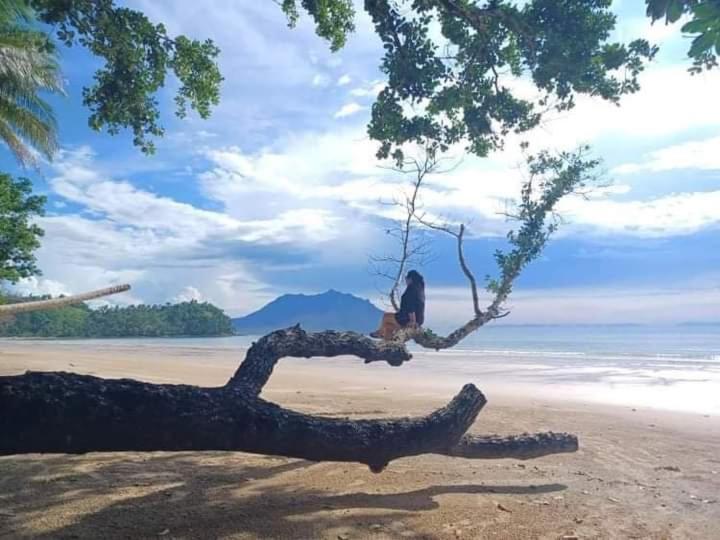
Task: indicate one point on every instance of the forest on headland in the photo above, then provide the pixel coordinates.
(80, 321)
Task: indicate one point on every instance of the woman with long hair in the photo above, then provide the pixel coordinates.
(412, 308)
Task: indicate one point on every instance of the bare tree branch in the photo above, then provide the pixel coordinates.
(550, 178)
(409, 251)
(468, 274)
(459, 236)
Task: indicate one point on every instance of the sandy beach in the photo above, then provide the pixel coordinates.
(641, 472)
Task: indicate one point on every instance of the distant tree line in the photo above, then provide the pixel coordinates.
(185, 319)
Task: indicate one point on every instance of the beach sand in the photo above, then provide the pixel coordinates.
(640, 472)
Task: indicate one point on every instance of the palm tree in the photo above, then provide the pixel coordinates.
(55, 303)
(28, 67)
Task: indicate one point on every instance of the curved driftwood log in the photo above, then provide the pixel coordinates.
(55, 303)
(70, 413)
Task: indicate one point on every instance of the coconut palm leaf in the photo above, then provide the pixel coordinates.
(28, 68)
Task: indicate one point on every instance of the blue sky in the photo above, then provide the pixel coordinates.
(279, 191)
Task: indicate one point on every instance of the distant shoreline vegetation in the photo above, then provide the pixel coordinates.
(186, 319)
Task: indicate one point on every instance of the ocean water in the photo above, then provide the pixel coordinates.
(691, 343)
(676, 343)
(671, 367)
(665, 367)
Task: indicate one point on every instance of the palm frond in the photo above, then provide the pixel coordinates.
(19, 149)
(30, 128)
(28, 67)
(27, 99)
(15, 10)
(25, 63)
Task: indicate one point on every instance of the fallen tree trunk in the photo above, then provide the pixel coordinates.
(71, 413)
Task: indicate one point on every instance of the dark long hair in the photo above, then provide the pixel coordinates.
(417, 283)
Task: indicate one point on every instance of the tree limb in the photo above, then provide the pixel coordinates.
(55, 303)
(70, 413)
(420, 168)
(467, 272)
(459, 235)
(551, 178)
(262, 356)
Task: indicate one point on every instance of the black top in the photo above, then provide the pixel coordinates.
(412, 301)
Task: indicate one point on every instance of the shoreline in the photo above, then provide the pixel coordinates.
(662, 384)
(640, 473)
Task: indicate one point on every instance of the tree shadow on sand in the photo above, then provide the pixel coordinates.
(198, 496)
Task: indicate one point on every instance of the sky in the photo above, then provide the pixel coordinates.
(280, 192)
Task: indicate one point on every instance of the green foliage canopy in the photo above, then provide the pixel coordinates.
(551, 177)
(184, 319)
(19, 236)
(465, 91)
(703, 24)
(138, 54)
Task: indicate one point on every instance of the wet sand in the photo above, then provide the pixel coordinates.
(640, 473)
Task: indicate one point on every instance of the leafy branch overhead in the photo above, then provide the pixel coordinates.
(138, 54)
(703, 26)
(467, 91)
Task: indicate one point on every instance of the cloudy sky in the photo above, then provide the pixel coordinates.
(280, 192)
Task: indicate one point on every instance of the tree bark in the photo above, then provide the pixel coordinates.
(55, 303)
(71, 413)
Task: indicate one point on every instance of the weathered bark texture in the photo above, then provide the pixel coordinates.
(429, 340)
(70, 413)
(55, 303)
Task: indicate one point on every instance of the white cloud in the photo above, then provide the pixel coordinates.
(203, 134)
(126, 234)
(370, 90)
(703, 154)
(188, 294)
(344, 80)
(655, 111)
(38, 286)
(348, 109)
(320, 80)
(152, 217)
(449, 307)
(297, 166)
(334, 61)
(344, 174)
(681, 213)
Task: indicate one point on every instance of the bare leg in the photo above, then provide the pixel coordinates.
(388, 327)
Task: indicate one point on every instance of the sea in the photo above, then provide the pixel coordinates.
(664, 367)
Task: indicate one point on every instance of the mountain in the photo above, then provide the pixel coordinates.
(331, 310)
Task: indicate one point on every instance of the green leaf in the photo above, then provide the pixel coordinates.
(707, 10)
(656, 9)
(701, 44)
(675, 10)
(136, 56)
(696, 26)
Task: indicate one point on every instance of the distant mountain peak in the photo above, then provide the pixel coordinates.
(330, 310)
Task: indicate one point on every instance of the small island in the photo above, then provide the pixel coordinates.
(189, 319)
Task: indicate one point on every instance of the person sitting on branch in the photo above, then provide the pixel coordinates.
(412, 308)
